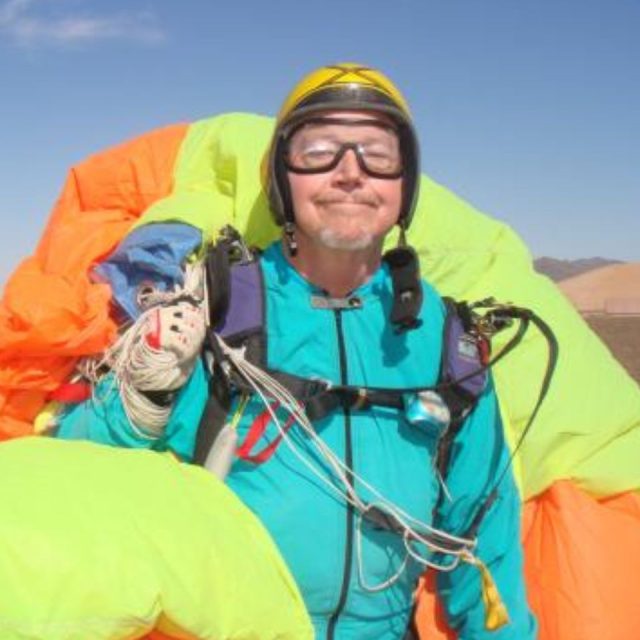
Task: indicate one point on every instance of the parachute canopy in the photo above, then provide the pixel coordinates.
(580, 452)
(110, 544)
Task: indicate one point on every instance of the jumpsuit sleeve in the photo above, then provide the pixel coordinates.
(102, 419)
(479, 457)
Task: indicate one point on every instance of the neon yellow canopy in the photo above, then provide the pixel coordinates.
(575, 466)
(588, 429)
(106, 544)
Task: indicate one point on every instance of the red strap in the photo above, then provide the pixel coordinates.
(71, 393)
(256, 431)
(484, 350)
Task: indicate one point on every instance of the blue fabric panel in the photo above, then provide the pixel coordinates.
(153, 254)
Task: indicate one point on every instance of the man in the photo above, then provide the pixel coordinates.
(354, 500)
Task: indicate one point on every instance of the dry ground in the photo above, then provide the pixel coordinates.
(622, 335)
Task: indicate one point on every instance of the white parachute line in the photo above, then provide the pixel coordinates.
(153, 368)
(289, 402)
(286, 399)
(445, 568)
(286, 440)
(349, 497)
(303, 420)
(360, 562)
(278, 392)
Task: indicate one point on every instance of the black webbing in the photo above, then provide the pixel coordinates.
(355, 398)
(218, 278)
(214, 415)
(407, 288)
(544, 388)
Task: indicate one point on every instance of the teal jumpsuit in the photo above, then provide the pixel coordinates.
(357, 580)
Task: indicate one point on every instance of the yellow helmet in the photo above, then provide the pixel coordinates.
(343, 87)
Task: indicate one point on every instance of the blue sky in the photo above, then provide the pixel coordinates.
(529, 109)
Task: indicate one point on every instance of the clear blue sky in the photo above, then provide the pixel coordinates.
(529, 109)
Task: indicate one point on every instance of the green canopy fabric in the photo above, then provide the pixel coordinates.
(588, 429)
(106, 544)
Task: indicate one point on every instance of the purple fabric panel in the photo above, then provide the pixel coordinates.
(245, 306)
(464, 359)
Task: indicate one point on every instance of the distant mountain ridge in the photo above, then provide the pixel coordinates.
(562, 269)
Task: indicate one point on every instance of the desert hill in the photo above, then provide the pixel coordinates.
(609, 299)
(614, 289)
(562, 269)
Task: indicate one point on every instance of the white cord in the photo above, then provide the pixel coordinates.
(263, 385)
(138, 367)
(361, 574)
(284, 397)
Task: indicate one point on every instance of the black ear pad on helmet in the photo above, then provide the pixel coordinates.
(279, 190)
(411, 174)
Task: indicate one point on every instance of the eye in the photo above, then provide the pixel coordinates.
(377, 149)
(319, 146)
(378, 156)
(381, 154)
(317, 153)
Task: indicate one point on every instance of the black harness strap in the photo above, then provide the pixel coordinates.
(526, 315)
(218, 279)
(218, 402)
(463, 375)
(407, 289)
(237, 311)
(459, 403)
(497, 317)
(234, 286)
(354, 398)
(319, 399)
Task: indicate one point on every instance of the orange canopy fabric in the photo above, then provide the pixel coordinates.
(51, 312)
(581, 564)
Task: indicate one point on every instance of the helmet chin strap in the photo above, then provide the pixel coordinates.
(290, 241)
(402, 238)
(404, 268)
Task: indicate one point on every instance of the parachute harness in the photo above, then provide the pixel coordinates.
(236, 358)
(380, 512)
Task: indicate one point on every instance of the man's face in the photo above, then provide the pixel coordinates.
(345, 207)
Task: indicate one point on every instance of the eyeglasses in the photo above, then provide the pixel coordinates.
(318, 146)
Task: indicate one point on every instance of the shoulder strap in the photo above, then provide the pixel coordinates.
(463, 372)
(235, 292)
(466, 390)
(244, 321)
(217, 277)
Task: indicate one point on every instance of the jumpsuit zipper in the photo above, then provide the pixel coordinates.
(348, 459)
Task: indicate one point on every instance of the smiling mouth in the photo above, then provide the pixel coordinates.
(346, 203)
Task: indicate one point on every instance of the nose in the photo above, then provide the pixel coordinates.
(348, 170)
